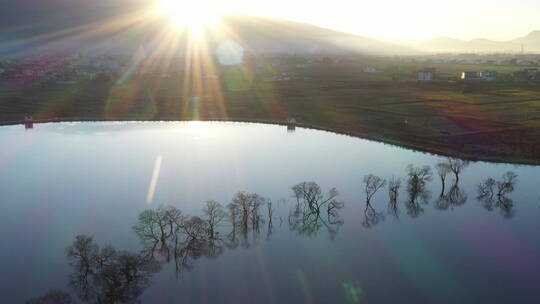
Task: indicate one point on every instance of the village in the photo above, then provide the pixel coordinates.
(66, 70)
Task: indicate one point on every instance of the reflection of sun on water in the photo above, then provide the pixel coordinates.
(194, 16)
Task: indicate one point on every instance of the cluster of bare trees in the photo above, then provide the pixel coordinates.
(174, 236)
(455, 196)
(314, 210)
(106, 275)
(493, 193)
(417, 179)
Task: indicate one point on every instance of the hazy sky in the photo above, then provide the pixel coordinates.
(405, 20)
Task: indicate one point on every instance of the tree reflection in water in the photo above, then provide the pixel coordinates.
(492, 194)
(372, 184)
(418, 177)
(393, 193)
(455, 196)
(315, 211)
(166, 233)
(106, 275)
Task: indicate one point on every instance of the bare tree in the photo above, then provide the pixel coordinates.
(270, 227)
(214, 214)
(245, 206)
(106, 275)
(270, 210)
(418, 177)
(455, 197)
(333, 208)
(82, 253)
(195, 228)
(457, 166)
(305, 217)
(486, 189)
(492, 193)
(393, 192)
(507, 184)
(310, 193)
(156, 226)
(372, 184)
(443, 169)
(393, 188)
(172, 217)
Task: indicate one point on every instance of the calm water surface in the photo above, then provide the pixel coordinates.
(61, 180)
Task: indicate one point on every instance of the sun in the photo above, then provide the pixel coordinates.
(194, 16)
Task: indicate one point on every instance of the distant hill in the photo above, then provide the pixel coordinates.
(530, 42)
(282, 36)
(104, 32)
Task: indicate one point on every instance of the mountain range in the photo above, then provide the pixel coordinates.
(530, 44)
(112, 26)
(255, 34)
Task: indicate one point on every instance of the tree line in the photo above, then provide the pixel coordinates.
(168, 235)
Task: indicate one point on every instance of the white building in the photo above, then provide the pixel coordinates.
(369, 69)
(426, 75)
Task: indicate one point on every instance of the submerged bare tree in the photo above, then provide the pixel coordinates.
(418, 177)
(492, 193)
(270, 228)
(506, 185)
(214, 214)
(195, 243)
(245, 217)
(487, 188)
(105, 275)
(393, 188)
(157, 226)
(453, 198)
(393, 192)
(443, 169)
(457, 166)
(372, 184)
(306, 217)
(310, 194)
(246, 207)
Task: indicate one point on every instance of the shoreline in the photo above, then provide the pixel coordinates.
(442, 150)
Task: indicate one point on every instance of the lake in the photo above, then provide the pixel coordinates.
(118, 212)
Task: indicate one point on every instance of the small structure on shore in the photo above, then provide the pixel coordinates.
(291, 124)
(28, 122)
